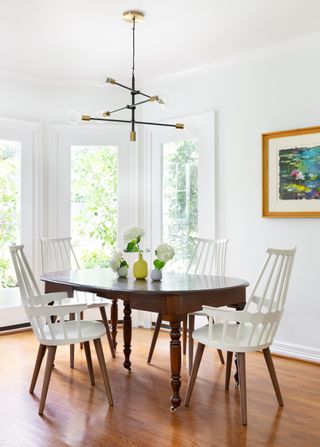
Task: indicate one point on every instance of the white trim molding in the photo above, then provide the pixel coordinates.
(296, 351)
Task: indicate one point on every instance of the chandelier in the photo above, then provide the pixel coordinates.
(131, 17)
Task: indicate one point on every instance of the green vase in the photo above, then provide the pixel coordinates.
(140, 268)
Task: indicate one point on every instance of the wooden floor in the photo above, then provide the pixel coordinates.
(77, 414)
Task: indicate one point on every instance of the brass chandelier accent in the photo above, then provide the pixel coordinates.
(132, 17)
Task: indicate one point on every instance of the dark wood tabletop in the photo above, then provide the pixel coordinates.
(174, 296)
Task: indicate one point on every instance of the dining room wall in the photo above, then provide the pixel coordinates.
(274, 89)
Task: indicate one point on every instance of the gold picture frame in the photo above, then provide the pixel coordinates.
(291, 173)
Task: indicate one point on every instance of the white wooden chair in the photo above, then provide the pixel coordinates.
(50, 327)
(251, 329)
(57, 254)
(208, 258)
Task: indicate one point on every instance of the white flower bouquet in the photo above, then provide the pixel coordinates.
(118, 263)
(164, 252)
(132, 237)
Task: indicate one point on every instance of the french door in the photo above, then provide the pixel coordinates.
(93, 191)
(17, 206)
(182, 186)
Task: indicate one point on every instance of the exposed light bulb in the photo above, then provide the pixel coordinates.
(164, 101)
(74, 117)
(102, 81)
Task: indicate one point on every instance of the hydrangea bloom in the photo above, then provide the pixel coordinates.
(133, 233)
(165, 252)
(115, 264)
(117, 260)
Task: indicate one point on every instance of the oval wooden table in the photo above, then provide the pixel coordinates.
(175, 296)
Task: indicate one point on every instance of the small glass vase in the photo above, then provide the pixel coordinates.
(156, 275)
(123, 272)
(140, 268)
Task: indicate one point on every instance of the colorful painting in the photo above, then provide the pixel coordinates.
(299, 173)
(291, 173)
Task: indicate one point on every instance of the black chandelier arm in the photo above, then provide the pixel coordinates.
(118, 110)
(142, 102)
(123, 86)
(105, 119)
(129, 106)
(89, 118)
(177, 125)
(136, 92)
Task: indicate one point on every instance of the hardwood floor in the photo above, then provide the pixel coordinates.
(78, 414)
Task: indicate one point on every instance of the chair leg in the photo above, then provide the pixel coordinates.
(89, 361)
(228, 369)
(194, 373)
(221, 356)
(71, 318)
(37, 366)
(184, 335)
(47, 376)
(81, 318)
(191, 342)
(272, 372)
(243, 386)
(155, 336)
(102, 364)
(108, 333)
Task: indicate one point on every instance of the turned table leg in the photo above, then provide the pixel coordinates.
(127, 333)
(114, 322)
(175, 360)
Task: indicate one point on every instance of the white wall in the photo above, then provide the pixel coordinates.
(272, 90)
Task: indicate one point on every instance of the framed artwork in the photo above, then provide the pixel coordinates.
(291, 173)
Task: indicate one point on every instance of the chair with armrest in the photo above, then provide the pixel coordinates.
(57, 254)
(208, 258)
(251, 329)
(50, 327)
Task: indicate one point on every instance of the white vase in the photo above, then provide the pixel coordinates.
(156, 275)
(123, 272)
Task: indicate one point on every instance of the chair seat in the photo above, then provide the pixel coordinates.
(233, 341)
(90, 330)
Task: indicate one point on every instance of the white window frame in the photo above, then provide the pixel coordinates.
(201, 126)
(31, 136)
(61, 138)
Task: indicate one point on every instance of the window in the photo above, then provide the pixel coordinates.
(19, 205)
(94, 186)
(91, 190)
(182, 184)
(10, 217)
(180, 198)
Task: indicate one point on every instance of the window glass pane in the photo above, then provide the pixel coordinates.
(180, 199)
(10, 216)
(94, 183)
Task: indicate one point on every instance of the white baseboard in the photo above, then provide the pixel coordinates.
(296, 351)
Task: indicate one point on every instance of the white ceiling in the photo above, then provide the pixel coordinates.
(84, 39)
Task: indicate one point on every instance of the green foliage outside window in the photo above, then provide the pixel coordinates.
(9, 208)
(94, 186)
(180, 198)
